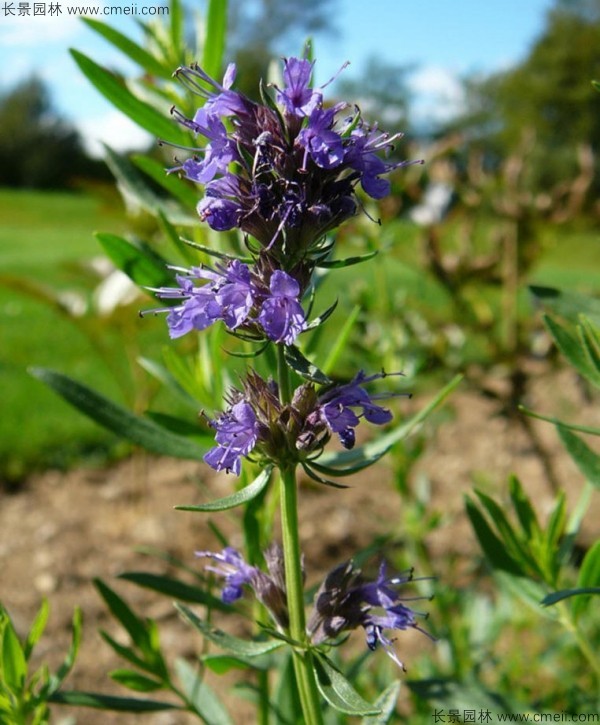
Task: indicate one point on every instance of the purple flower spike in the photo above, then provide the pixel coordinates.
(346, 601)
(281, 315)
(237, 434)
(236, 296)
(235, 571)
(322, 143)
(336, 405)
(298, 98)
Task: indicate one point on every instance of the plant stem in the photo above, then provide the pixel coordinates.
(303, 665)
(294, 580)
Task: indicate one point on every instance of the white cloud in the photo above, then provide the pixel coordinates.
(438, 94)
(114, 129)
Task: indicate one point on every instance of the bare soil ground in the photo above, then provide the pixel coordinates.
(61, 530)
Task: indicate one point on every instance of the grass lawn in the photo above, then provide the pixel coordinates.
(45, 237)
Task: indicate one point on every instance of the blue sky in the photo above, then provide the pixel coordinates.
(443, 39)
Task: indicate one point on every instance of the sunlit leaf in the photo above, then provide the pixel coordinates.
(239, 497)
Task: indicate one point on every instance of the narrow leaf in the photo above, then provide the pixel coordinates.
(143, 266)
(523, 508)
(214, 39)
(132, 624)
(338, 692)
(176, 186)
(296, 360)
(589, 575)
(569, 305)
(586, 459)
(386, 702)
(174, 588)
(493, 548)
(347, 262)
(37, 628)
(566, 593)
(66, 666)
(239, 497)
(113, 88)
(340, 341)
(108, 702)
(13, 663)
(119, 420)
(572, 349)
(134, 681)
(131, 49)
(240, 647)
(202, 698)
(570, 426)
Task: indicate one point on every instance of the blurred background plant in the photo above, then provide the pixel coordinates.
(507, 199)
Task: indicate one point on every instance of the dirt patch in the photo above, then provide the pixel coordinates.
(63, 530)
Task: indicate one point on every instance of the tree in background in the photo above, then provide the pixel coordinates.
(38, 149)
(547, 98)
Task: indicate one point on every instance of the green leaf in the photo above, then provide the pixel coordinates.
(555, 597)
(135, 188)
(523, 508)
(134, 681)
(348, 262)
(131, 49)
(338, 692)
(108, 702)
(37, 629)
(14, 664)
(202, 698)
(586, 459)
(142, 265)
(118, 419)
(492, 546)
(386, 702)
(132, 624)
(239, 497)
(331, 471)
(66, 666)
(174, 588)
(286, 703)
(113, 88)
(214, 38)
(221, 664)
(176, 28)
(569, 305)
(176, 186)
(461, 696)
(589, 576)
(380, 446)
(573, 349)
(526, 590)
(239, 647)
(322, 317)
(570, 426)
(340, 341)
(127, 653)
(300, 364)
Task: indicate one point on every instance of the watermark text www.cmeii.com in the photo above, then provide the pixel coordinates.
(487, 716)
(33, 9)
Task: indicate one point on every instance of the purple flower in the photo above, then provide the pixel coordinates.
(221, 207)
(269, 588)
(345, 601)
(235, 571)
(237, 434)
(229, 296)
(281, 315)
(335, 408)
(320, 141)
(297, 97)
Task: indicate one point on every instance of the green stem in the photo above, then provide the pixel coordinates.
(294, 580)
(303, 665)
(567, 621)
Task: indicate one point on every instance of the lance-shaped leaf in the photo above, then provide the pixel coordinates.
(338, 692)
(37, 629)
(493, 548)
(347, 262)
(322, 317)
(141, 264)
(109, 702)
(586, 459)
(66, 666)
(235, 645)
(573, 349)
(555, 597)
(589, 577)
(217, 253)
(569, 426)
(135, 189)
(201, 697)
(114, 89)
(569, 305)
(119, 420)
(176, 186)
(174, 588)
(214, 38)
(239, 497)
(131, 49)
(296, 360)
(374, 450)
(135, 681)
(386, 702)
